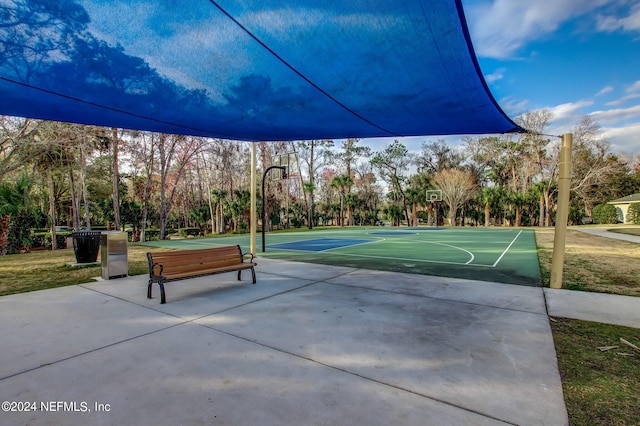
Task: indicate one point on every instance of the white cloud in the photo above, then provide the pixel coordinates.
(495, 76)
(623, 99)
(624, 139)
(616, 115)
(604, 90)
(633, 88)
(569, 111)
(513, 107)
(500, 27)
(629, 23)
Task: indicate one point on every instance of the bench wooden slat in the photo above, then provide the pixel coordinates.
(177, 265)
(222, 251)
(196, 263)
(204, 270)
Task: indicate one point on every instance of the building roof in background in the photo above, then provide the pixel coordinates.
(633, 198)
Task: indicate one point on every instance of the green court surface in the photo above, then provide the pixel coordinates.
(499, 255)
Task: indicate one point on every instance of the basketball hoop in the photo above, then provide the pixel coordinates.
(434, 196)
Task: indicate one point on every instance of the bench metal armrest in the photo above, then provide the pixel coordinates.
(244, 255)
(153, 268)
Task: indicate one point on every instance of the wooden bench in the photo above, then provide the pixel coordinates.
(166, 266)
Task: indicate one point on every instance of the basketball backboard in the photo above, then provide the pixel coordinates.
(434, 195)
(289, 161)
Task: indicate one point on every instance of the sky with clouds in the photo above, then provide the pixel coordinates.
(572, 57)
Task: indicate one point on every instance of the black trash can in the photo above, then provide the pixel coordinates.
(86, 245)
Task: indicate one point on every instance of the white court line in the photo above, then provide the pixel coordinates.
(450, 246)
(454, 247)
(400, 258)
(506, 250)
(409, 260)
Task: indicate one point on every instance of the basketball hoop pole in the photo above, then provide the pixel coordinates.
(434, 206)
(434, 196)
(264, 178)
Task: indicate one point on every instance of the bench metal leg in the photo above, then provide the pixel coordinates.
(253, 274)
(149, 289)
(163, 299)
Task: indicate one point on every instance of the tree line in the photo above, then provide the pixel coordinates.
(153, 185)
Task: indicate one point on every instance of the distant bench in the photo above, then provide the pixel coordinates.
(166, 266)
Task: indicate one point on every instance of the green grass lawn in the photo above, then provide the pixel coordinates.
(628, 231)
(40, 270)
(600, 387)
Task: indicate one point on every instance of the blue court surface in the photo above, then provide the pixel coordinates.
(318, 244)
(391, 233)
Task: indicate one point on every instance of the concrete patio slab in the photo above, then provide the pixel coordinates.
(491, 361)
(46, 326)
(497, 295)
(211, 378)
(197, 297)
(286, 268)
(305, 345)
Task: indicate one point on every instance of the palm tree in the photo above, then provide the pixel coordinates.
(539, 191)
(393, 213)
(342, 182)
(517, 201)
(309, 188)
(240, 207)
(415, 197)
(490, 196)
(352, 201)
(219, 196)
(13, 198)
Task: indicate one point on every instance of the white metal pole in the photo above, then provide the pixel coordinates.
(253, 219)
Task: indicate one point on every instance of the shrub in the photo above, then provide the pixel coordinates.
(152, 234)
(19, 237)
(633, 214)
(189, 232)
(604, 214)
(43, 239)
(575, 215)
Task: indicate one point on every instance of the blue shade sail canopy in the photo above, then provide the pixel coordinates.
(246, 69)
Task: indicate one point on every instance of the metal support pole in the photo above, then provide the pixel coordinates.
(253, 225)
(562, 214)
(434, 212)
(264, 220)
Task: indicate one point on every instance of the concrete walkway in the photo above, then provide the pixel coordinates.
(307, 345)
(597, 307)
(604, 232)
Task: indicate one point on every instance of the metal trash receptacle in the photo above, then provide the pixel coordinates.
(113, 254)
